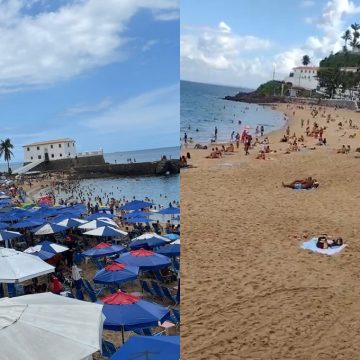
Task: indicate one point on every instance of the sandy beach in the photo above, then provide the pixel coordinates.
(248, 290)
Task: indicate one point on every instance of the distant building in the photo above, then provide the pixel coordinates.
(49, 150)
(303, 77)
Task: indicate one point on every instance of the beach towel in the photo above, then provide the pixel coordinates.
(311, 245)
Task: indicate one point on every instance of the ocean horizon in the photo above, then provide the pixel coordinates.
(203, 108)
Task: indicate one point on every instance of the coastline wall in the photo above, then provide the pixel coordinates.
(68, 164)
(135, 169)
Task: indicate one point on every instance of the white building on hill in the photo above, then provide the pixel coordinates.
(303, 77)
(49, 150)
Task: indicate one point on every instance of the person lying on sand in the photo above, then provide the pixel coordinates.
(324, 242)
(308, 183)
(199, 146)
(342, 150)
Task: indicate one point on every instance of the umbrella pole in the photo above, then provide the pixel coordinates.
(122, 334)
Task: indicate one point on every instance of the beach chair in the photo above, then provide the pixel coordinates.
(89, 290)
(168, 295)
(145, 287)
(79, 294)
(176, 314)
(99, 265)
(11, 290)
(108, 349)
(157, 290)
(176, 265)
(158, 276)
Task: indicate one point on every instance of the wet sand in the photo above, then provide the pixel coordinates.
(248, 290)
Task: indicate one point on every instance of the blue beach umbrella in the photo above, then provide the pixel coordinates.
(8, 235)
(172, 237)
(26, 224)
(169, 211)
(171, 250)
(136, 205)
(144, 259)
(124, 312)
(106, 231)
(97, 223)
(116, 273)
(137, 220)
(149, 347)
(103, 249)
(50, 247)
(148, 243)
(3, 226)
(48, 228)
(99, 215)
(71, 222)
(42, 254)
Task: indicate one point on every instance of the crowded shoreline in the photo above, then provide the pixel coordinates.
(265, 280)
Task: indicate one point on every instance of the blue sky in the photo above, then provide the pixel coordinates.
(240, 42)
(105, 73)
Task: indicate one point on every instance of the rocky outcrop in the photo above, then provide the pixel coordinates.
(254, 98)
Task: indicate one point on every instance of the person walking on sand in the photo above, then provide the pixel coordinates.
(302, 123)
(247, 144)
(237, 137)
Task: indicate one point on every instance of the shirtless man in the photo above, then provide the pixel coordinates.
(307, 183)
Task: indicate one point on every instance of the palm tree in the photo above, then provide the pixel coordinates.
(5, 150)
(346, 37)
(306, 60)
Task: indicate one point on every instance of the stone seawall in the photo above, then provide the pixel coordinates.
(96, 167)
(136, 169)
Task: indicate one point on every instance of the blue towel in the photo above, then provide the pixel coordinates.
(311, 245)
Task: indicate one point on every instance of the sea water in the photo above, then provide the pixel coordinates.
(203, 108)
(160, 189)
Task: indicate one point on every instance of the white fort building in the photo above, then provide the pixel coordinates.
(303, 77)
(50, 150)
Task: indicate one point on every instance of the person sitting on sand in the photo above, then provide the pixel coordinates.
(230, 148)
(214, 154)
(308, 183)
(284, 139)
(261, 156)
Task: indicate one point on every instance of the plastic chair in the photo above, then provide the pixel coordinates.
(157, 290)
(90, 291)
(107, 349)
(145, 287)
(167, 294)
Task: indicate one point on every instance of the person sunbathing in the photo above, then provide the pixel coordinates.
(199, 146)
(261, 156)
(324, 242)
(308, 183)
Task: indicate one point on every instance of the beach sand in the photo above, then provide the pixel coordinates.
(248, 290)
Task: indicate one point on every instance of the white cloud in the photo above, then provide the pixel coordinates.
(211, 52)
(88, 109)
(50, 46)
(148, 45)
(331, 25)
(154, 112)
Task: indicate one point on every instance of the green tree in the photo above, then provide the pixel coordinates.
(5, 151)
(330, 79)
(346, 37)
(306, 60)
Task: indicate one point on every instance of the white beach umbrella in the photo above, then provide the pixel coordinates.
(49, 326)
(47, 246)
(16, 266)
(149, 236)
(94, 224)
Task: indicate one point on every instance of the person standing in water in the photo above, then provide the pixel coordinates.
(185, 138)
(262, 130)
(216, 132)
